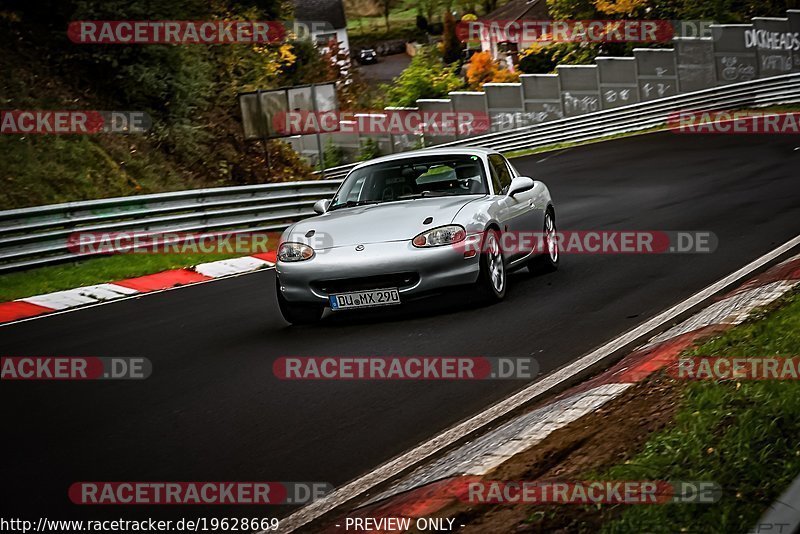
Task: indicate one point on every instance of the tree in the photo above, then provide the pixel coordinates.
(536, 59)
(624, 8)
(468, 7)
(309, 67)
(451, 46)
(505, 76)
(428, 8)
(369, 150)
(425, 77)
(481, 70)
(490, 5)
(332, 154)
(386, 8)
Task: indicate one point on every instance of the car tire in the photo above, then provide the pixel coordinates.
(547, 262)
(298, 313)
(493, 277)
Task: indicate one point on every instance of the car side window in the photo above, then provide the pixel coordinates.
(501, 176)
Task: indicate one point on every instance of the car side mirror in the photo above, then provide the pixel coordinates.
(321, 206)
(520, 184)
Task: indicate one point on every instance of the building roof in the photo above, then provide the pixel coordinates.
(520, 9)
(331, 11)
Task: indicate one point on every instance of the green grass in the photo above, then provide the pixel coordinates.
(402, 24)
(41, 170)
(95, 271)
(745, 436)
(47, 169)
(399, 17)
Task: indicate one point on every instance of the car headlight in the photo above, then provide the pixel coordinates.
(295, 252)
(444, 235)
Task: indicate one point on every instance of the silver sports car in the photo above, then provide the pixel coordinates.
(406, 225)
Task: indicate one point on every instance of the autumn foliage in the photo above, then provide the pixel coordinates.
(483, 69)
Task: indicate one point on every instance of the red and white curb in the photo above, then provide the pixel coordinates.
(441, 482)
(95, 294)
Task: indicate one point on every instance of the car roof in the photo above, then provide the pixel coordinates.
(467, 151)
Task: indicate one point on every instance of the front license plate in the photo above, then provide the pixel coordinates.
(364, 299)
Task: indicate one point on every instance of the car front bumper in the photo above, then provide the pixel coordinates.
(343, 269)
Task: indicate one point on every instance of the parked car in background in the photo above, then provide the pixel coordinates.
(367, 56)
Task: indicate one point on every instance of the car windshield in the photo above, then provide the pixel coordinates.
(409, 178)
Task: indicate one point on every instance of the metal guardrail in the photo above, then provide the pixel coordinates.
(31, 237)
(37, 236)
(641, 116)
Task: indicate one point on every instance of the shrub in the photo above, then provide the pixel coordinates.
(425, 77)
(369, 150)
(332, 154)
(451, 46)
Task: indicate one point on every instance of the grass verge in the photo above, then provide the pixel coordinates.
(745, 436)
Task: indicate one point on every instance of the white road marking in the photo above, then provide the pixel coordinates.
(488, 451)
(215, 269)
(132, 296)
(80, 296)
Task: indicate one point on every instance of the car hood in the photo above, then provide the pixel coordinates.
(376, 223)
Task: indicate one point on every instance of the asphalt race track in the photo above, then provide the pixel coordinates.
(212, 409)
